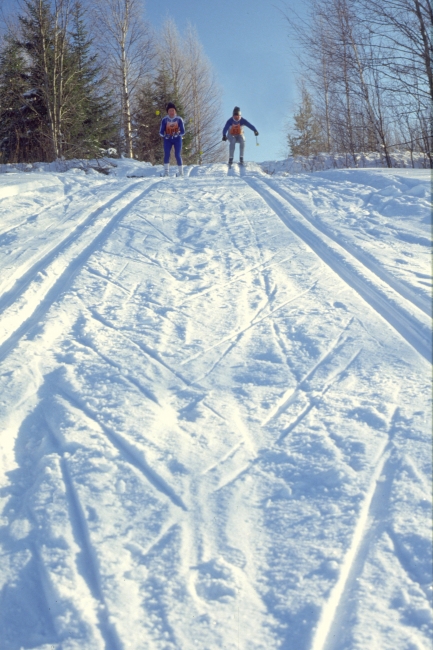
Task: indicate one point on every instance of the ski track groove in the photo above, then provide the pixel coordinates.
(230, 347)
(144, 553)
(234, 246)
(253, 322)
(216, 363)
(225, 458)
(128, 452)
(290, 395)
(313, 402)
(154, 262)
(327, 635)
(370, 526)
(237, 476)
(426, 589)
(35, 215)
(148, 394)
(9, 296)
(152, 225)
(144, 349)
(23, 323)
(104, 278)
(91, 576)
(154, 356)
(222, 285)
(363, 257)
(82, 538)
(416, 331)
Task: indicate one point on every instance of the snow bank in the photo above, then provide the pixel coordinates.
(321, 162)
(118, 167)
(12, 184)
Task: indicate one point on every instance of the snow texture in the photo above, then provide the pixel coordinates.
(215, 409)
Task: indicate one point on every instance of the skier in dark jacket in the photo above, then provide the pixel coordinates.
(172, 129)
(234, 128)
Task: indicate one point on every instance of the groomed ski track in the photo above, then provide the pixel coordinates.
(215, 422)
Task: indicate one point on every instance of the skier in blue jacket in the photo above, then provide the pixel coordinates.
(234, 128)
(172, 129)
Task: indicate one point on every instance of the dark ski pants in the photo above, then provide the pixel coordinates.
(177, 144)
(233, 139)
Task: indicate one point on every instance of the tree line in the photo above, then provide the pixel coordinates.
(367, 80)
(81, 80)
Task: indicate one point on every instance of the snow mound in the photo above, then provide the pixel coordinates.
(13, 184)
(323, 161)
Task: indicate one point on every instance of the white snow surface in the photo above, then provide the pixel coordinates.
(215, 409)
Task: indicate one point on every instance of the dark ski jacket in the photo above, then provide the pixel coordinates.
(242, 122)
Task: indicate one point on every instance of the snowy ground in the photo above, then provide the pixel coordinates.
(215, 410)
(323, 161)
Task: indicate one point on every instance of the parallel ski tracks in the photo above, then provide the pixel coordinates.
(34, 293)
(31, 217)
(407, 319)
(420, 301)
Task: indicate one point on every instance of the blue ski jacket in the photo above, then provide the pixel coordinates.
(168, 120)
(242, 122)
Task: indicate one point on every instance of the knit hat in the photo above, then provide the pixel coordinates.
(236, 110)
(170, 105)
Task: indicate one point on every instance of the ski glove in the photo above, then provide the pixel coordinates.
(224, 138)
(256, 133)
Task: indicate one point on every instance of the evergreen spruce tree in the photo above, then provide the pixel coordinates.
(66, 111)
(13, 86)
(152, 100)
(37, 40)
(307, 138)
(91, 126)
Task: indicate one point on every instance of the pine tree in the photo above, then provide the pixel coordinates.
(308, 137)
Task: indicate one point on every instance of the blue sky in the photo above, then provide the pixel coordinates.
(248, 44)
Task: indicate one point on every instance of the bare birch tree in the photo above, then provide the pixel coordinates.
(126, 46)
(44, 34)
(402, 33)
(202, 98)
(368, 65)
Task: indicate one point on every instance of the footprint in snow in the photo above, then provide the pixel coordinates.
(215, 581)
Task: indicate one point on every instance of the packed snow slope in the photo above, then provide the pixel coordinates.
(215, 410)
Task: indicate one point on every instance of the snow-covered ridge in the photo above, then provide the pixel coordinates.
(126, 167)
(322, 162)
(215, 409)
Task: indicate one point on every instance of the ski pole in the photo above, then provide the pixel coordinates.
(257, 143)
(202, 153)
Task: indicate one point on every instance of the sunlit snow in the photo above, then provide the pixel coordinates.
(215, 409)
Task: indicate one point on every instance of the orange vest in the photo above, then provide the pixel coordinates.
(235, 129)
(171, 128)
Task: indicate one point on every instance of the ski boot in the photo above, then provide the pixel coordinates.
(241, 161)
(230, 162)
